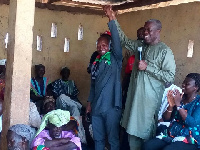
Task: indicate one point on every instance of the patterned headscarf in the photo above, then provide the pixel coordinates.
(56, 117)
(196, 78)
(24, 131)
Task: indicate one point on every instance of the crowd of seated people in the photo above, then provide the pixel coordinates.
(46, 97)
(55, 121)
(56, 132)
(58, 129)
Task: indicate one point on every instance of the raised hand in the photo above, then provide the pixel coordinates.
(109, 12)
(170, 98)
(177, 97)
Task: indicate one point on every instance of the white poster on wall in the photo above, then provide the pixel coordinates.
(66, 45)
(53, 30)
(39, 43)
(190, 48)
(80, 32)
(6, 40)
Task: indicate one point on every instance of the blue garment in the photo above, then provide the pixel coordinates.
(191, 126)
(68, 88)
(39, 90)
(187, 131)
(106, 124)
(105, 90)
(106, 96)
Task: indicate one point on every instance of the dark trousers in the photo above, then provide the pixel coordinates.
(124, 139)
(157, 144)
(106, 125)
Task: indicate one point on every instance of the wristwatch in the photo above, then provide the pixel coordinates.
(179, 107)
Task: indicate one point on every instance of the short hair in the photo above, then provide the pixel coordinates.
(37, 67)
(106, 36)
(196, 78)
(65, 69)
(142, 28)
(156, 22)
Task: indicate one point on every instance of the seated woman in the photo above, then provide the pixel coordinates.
(65, 93)
(19, 137)
(38, 86)
(51, 134)
(184, 112)
(75, 123)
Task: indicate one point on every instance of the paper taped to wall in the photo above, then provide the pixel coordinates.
(80, 32)
(39, 43)
(53, 30)
(66, 45)
(190, 48)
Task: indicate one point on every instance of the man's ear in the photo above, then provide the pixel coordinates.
(24, 142)
(196, 88)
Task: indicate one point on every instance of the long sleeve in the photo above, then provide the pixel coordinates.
(125, 41)
(92, 91)
(194, 119)
(75, 90)
(74, 139)
(117, 49)
(40, 138)
(167, 72)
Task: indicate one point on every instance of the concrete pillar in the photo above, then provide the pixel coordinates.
(19, 60)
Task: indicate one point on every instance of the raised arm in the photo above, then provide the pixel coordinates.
(124, 40)
(167, 72)
(117, 49)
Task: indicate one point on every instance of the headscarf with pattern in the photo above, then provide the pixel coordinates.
(56, 117)
(24, 131)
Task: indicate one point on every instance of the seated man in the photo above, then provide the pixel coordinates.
(65, 93)
(38, 86)
(19, 137)
(51, 134)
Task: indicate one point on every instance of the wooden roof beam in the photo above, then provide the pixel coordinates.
(74, 10)
(46, 1)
